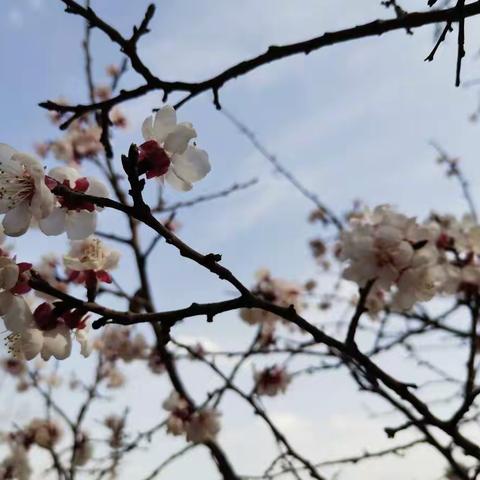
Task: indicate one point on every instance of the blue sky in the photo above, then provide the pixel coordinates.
(351, 121)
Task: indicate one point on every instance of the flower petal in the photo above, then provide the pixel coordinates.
(176, 182)
(6, 299)
(85, 345)
(80, 225)
(17, 220)
(164, 122)
(9, 272)
(60, 174)
(54, 224)
(57, 343)
(31, 342)
(96, 188)
(18, 316)
(192, 165)
(6, 152)
(177, 140)
(43, 200)
(147, 128)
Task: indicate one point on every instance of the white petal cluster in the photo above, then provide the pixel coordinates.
(203, 425)
(24, 194)
(42, 332)
(90, 254)
(395, 252)
(13, 307)
(458, 244)
(198, 426)
(77, 218)
(410, 262)
(167, 152)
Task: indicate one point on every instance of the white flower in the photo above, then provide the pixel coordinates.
(203, 425)
(76, 217)
(49, 334)
(179, 413)
(199, 426)
(174, 402)
(175, 425)
(378, 247)
(9, 273)
(86, 346)
(15, 312)
(90, 254)
(167, 154)
(397, 253)
(23, 192)
(13, 308)
(56, 342)
(421, 281)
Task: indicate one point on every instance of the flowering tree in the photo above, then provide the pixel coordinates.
(381, 266)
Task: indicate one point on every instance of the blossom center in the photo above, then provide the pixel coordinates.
(153, 159)
(16, 184)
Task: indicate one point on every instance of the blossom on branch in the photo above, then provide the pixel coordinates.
(199, 426)
(89, 262)
(49, 334)
(167, 154)
(24, 194)
(14, 279)
(395, 252)
(75, 216)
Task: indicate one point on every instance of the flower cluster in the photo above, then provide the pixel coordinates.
(408, 262)
(29, 197)
(89, 262)
(47, 330)
(199, 425)
(49, 333)
(75, 216)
